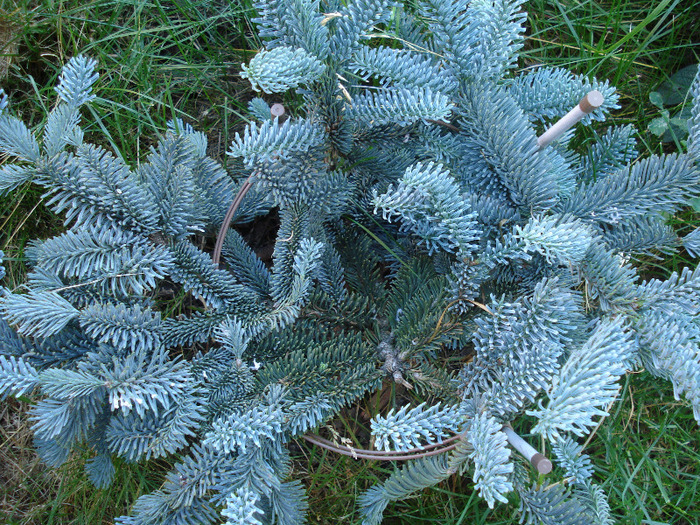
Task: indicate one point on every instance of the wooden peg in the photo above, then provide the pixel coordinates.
(277, 110)
(541, 463)
(588, 104)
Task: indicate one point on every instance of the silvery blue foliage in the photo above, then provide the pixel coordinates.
(12, 176)
(491, 459)
(243, 430)
(282, 68)
(556, 239)
(577, 466)
(694, 121)
(595, 500)
(17, 377)
(428, 201)
(643, 236)
(614, 150)
(408, 429)
(545, 93)
(691, 243)
(40, 314)
(18, 141)
(400, 68)
(355, 21)
(417, 215)
(113, 259)
(100, 470)
(259, 109)
(240, 508)
(652, 186)
(527, 339)
(400, 106)
(673, 354)
(588, 381)
(271, 140)
(403, 482)
(77, 77)
(552, 506)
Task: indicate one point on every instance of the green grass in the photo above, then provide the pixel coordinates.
(160, 59)
(648, 454)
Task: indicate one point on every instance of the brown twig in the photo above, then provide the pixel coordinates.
(216, 256)
(444, 124)
(379, 455)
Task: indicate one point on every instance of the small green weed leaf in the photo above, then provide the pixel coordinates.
(680, 123)
(658, 126)
(656, 99)
(684, 114)
(675, 89)
(677, 125)
(673, 134)
(695, 204)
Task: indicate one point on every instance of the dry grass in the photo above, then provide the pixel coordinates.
(8, 42)
(26, 485)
